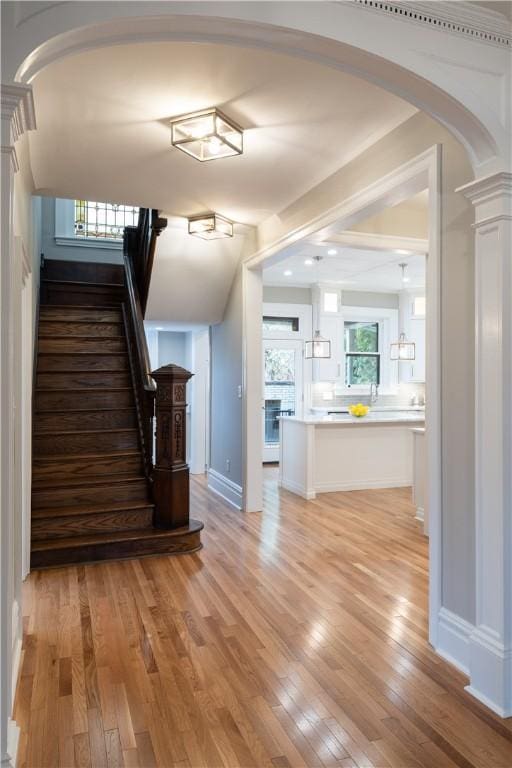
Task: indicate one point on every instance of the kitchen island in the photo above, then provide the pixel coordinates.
(339, 452)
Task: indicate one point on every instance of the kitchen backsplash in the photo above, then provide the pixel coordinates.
(403, 397)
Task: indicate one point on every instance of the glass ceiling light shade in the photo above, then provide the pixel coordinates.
(403, 349)
(317, 348)
(210, 226)
(207, 135)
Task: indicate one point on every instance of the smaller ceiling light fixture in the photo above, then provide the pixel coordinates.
(318, 347)
(403, 349)
(210, 226)
(405, 278)
(207, 135)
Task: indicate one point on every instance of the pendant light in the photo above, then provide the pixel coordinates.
(402, 349)
(318, 348)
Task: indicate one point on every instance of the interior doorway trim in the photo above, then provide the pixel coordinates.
(419, 173)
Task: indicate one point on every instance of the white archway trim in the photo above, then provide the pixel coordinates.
(343, 41)
(370, 241)
(422, 172)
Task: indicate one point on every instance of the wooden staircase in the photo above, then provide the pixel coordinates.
(91, 493)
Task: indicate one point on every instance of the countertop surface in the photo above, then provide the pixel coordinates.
(373, 417)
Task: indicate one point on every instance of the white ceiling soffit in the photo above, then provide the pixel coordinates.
(191, 278)
(353, 269)
(103, 132)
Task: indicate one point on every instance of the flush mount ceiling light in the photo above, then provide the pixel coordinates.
(403, 349)
(207, 135)
(318, 347)
(210, 226)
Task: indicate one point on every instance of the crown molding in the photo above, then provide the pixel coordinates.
(11, 152)
(457, 17)
(18, 107)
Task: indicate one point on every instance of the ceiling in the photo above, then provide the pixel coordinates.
(354, 269)
(103, 130)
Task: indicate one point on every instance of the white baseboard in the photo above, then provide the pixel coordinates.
(333, 486)
(453, 634)
(13, 735)
(290, 485)
(491, 671)
(226, 488)
(420, 514)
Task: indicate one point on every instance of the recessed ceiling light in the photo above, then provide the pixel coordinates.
(332, 252)
(403, 253)
(158, 328)
(287, 273)
(207, 135)
(308, 262)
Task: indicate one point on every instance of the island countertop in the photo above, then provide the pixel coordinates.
(373, 417)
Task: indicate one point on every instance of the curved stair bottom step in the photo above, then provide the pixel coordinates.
(116, 546)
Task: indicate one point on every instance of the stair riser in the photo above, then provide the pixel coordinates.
(55, 422)
(68, 497)
(82, 362)
(83, 271)
(75, 401)
(190, 542)
(81, 525)
(83, 379)
(81, 295)
(80, 313)
(61, 328)
(52, 445)
(98, 346)
(83, 469)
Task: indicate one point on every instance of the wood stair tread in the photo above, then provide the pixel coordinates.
(53, 281)
(84, 431)
(118, 536)
(87, 481)
(85, 389)
(90, 509)
(61, 458)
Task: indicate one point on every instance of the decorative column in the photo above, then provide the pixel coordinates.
(17, 117)
(171, 473)
(491, 640)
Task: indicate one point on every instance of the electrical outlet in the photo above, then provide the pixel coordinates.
(228, 465)
(239, 391)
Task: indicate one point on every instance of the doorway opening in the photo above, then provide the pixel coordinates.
(363, 340)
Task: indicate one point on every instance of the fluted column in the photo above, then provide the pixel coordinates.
(491, 640)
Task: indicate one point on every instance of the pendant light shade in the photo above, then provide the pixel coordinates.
(403, 349)
(317, 348)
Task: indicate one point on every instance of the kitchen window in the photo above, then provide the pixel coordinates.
(362, 353)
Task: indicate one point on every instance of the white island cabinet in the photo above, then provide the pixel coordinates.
(342, 453)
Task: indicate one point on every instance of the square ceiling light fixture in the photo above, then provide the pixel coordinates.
(210, 226)
(207, 135)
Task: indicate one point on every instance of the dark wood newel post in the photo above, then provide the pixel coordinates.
(170, 474)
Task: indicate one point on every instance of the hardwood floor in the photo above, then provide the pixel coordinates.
(296, 637)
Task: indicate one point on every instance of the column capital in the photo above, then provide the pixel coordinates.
(491, 196)
(18, 108)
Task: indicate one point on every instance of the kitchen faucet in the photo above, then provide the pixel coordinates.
(374, 392)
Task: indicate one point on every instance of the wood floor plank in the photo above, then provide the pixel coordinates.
(296, 638)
